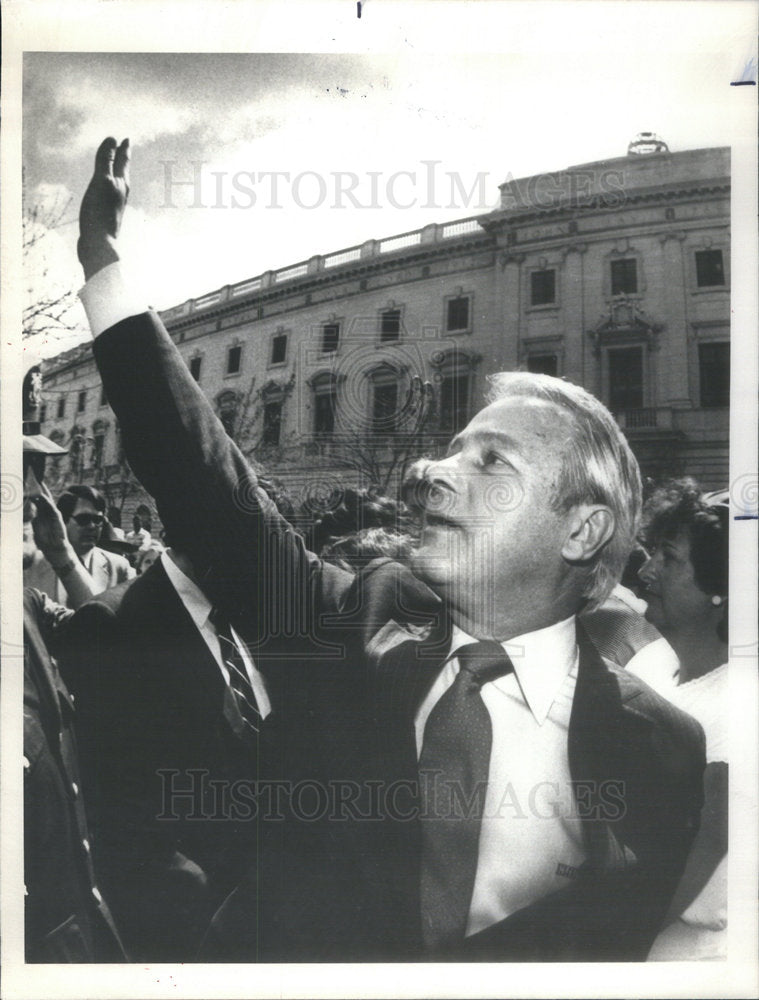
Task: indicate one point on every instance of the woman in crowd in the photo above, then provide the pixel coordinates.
(686, 586)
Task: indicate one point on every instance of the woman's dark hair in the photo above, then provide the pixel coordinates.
(352, 511)
(359, 548)
(678, 508)
(67, 501)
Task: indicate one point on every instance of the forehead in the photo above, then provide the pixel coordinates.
(525, 419)
(676, 538)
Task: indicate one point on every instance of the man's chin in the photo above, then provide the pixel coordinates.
(429, 565)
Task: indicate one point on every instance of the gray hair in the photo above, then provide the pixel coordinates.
(600, 468)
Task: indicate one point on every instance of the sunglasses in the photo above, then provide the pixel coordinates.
(84, 520)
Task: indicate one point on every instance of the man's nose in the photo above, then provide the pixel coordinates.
(443, 484)
(647, 572)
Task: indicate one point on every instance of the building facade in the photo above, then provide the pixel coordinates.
(342, 368)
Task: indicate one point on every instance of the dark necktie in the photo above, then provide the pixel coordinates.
(453, 771)
(238, 675)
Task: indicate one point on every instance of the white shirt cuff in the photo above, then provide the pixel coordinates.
(108, 300)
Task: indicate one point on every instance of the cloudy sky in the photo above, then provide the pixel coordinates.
(384, 122)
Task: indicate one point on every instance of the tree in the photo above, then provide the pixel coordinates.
(46, 305)
(381, 454)
(249, 421)
(117, 483)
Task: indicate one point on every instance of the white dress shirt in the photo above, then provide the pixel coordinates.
(108, 299)
(531, 839)
(199, 609)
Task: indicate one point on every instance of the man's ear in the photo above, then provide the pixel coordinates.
(591, 526)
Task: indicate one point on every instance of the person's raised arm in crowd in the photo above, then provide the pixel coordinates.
(50, 537)
(206, 492)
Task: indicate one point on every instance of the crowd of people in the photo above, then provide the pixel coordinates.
(463, 726)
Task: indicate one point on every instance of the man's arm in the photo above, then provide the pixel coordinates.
(51, 539)
(249, 559)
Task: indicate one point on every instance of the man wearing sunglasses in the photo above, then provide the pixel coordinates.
(83, 512)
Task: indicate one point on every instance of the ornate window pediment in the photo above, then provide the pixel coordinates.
(324, 380)
(626, 323)
(455, 359)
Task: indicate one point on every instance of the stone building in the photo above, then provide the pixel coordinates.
(339, 369)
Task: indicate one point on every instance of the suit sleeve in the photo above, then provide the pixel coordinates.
(248, 559)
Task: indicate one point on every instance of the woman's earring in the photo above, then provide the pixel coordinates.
(716, 600)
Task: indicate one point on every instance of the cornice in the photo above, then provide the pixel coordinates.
(501, 218)
(348, 272)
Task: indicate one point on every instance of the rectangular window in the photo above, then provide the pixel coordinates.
(61, 411)
(43, 412)
(103, 397)
(81, 401)
(454, 403)
(624, 276)
(195, 365)
(542, 288)
(330, 337)
(714, 373)
(709, 268)
(234, 356)
(324, 412)
(457, 314)
(279, 349)
(543, 364)
(626, 379)
(390, 325)
(272, 422)
(385, 407)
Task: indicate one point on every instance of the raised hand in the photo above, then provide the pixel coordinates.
(49, 530)
(103, 207)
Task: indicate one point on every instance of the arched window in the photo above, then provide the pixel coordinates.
(324, 388)
(227, 406)
(76, 450)
(99, 431)
(454, 378)
(387, 398)
(273, 398)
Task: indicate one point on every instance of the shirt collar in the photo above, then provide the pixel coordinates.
(193, 598)
(542, 661)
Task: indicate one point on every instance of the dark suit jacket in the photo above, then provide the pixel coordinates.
(66, 919)
(166, 753)
(354, 656)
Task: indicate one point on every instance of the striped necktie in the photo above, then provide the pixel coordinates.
(453, 767)
(239, 681)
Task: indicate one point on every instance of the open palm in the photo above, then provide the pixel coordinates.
(105, 198)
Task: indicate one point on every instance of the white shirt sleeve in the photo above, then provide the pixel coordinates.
(107, 299)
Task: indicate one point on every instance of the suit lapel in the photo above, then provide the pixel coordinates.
(203, 673)
(604, 730)
(99, 570)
